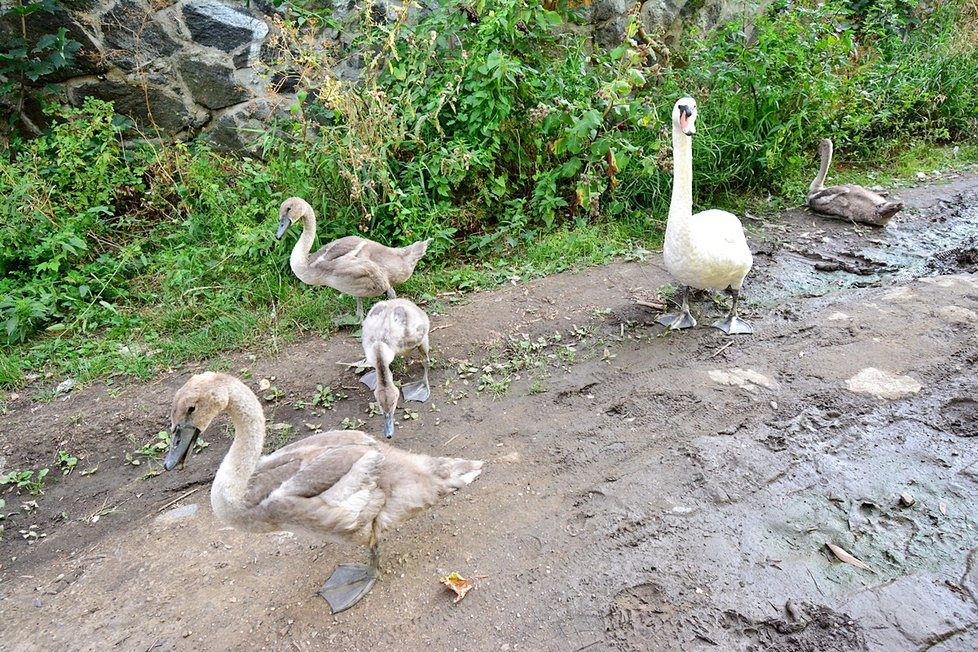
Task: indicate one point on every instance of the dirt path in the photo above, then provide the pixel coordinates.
(643, 491)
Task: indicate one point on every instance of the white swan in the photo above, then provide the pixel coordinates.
(352, 265)
(392, 328)
(341, 484)
(707, 250)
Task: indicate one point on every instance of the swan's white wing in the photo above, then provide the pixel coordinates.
(718, 255)
(716, 226)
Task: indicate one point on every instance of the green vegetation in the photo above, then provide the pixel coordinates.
(33, 481)
(24, 61)
(501, 134)
(326, 397)
(66, 462)
(152, 451)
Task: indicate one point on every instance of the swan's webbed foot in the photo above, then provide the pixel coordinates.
(418, 391)
(682, 319)
(734, 325)
(369, 379)
(348, 584)
(678, 321)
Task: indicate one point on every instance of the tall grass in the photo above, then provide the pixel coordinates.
(502, 135)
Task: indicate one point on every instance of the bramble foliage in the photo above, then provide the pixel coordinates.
(495, 128)
(493, 124)
(64, 202)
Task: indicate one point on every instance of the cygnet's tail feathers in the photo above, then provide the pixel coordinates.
(458, 472)
(889, 209)
(415, 251)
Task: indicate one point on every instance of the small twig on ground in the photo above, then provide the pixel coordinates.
(438, 328)
(721, 349)
(450, 440)
(177, 500)
(706, 638)
(814, 581)
(654, 305)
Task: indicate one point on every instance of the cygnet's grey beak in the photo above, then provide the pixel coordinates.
(283, 225)
(182, 439)
(389, 425)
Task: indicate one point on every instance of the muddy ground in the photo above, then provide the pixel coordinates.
(643, 491)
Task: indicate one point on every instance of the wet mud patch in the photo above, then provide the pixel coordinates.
(963, 258)
(862, 495)
(803, 628)
(961, 416)
(650, 611)
(807, 255)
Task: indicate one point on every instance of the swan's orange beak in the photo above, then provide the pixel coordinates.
(684, 123)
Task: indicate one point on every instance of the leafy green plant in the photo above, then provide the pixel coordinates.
(33, 481)
(326, 397)
(151, 451)
(156, 448)
(273, 393)
(66, 462)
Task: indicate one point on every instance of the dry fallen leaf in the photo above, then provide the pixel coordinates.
(848, 558)
(457, 583)
(264, 384)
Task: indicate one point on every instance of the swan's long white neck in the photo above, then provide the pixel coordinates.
(299, 259)
(231, 480)
(681, 206)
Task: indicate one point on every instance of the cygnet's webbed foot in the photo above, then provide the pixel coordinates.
(734, 325)
(348, 584)
(370, 379)
(678, 321)
(359, 364)
(418, 391)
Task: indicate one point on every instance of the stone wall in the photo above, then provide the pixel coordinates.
(187, 68)
(183, 68)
